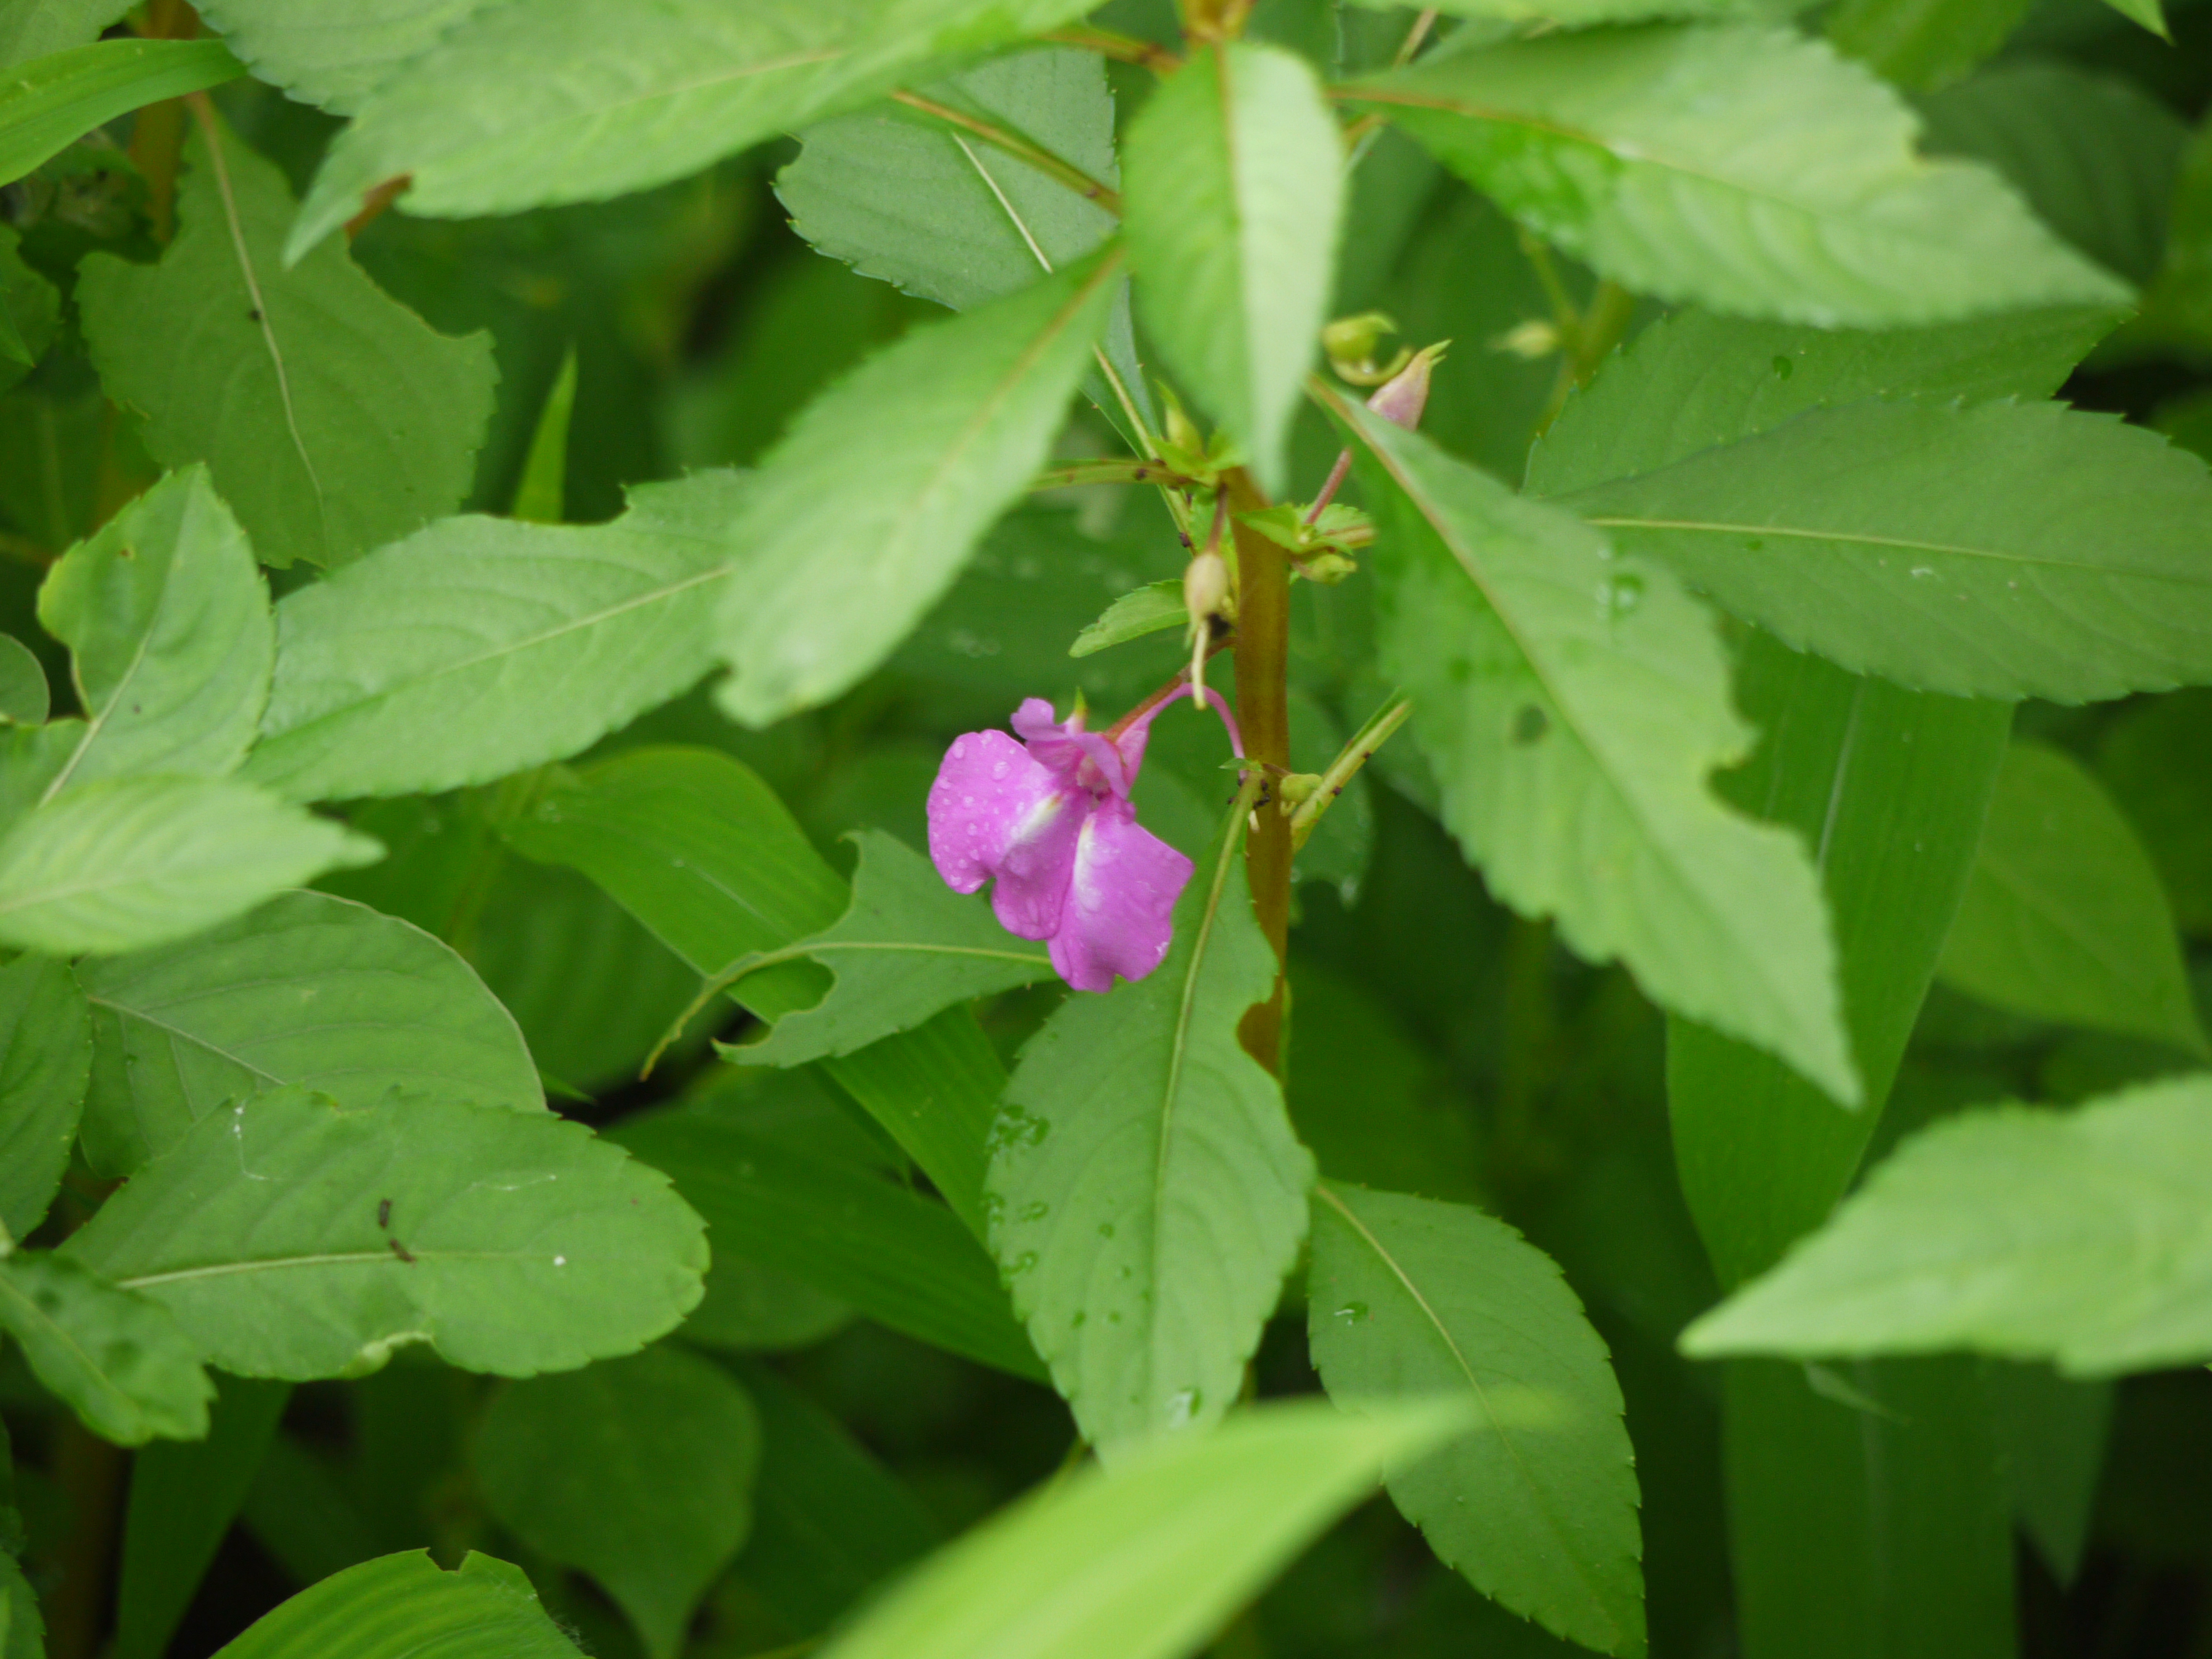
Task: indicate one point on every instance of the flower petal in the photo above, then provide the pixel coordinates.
(986, 785)
(1120, 902)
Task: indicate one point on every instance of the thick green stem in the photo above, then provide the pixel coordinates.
(1263, 642)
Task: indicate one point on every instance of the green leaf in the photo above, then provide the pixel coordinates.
(954, 419)
(345, 421)
(2075, 1237)
(30, 310)
(333, 58)
(308, 989)
(541, 494)
(51, 103)
(184, 1496)
(908, 946)
(398, 1605)
(2156, 758)
(1923, 44)
(45, 1059)
(1890, 786)
(115, 1357)
(2064, 919)
(2148, 12)
(1146, 1560)
(133, 862)
(1146, 1193)
(1999, 550)
(1741, 168)
(1579, 14)
(23, 690)
(1236, 199)
(521, 106)
(639, 1471)
(1408, 1295)
(700, 851)
(1694, 382)
(479, 647)
(1147, 610)
(294, 1237)
(34, 29)
(2053, 1433)
(1572, 704)
(902, 1260)
(165, 615)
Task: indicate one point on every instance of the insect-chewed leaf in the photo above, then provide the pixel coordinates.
(294, 1237)
(308, 989)
(1146, 1191)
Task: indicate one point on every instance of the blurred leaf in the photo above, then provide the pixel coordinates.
(901, 1258)
(2064, 919)
(1410, 1297)
(297, 1238)
(168, 621)
(541, 497)
(1735, 168)
(30, 308)
(401, 1605)
(479, 647)
(1146, 1561)
(2156, 758)
(333, 58)
(34, 29)
(1142, 611)
(1558, 685)
(51, 103)
(907, 947)
(298, 1512)
(23, 690)
(22, 1631)
(1577, 14)
(2178, 302)
(345, 421)
(1923, 44)
(115, 1357)
(46, 1058)
(2052, 1432)
(128, 863)
(1236, 199)
(521, 105)
(1146, 1194)
(308, 989)
(955, 419)
(638, 1470)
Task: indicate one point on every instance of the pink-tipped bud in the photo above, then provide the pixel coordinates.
(1402, 399)
(1205, 587)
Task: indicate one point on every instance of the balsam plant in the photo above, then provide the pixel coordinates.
(1563, 630)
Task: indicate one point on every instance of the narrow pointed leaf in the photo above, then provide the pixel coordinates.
(1236, 199)
(1573, 703)
(116, 1358)
(1744, 169)
(53, 101)
(308, 989)
(1409, 1297)
(1146, 1193)
(1147, 610)
(479, 647)
(396, 1604)
(46, 1060)
(294, 1237)
(954, 419)
(345, 420)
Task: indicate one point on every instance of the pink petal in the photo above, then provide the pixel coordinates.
(1119, 917)
(995, 812)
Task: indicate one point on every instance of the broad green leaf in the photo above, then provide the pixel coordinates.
(402, 1605)
(1146, 1193)
(908, 946)
(1741, 168)
(35, 28)
(954, 420)
(23, 689)
(2156, 758)
(1694, 381)
(308, 989)
(345, 421)
(30, 311)
(519, 106)
(1998, 551)
(134, 862)
(1923, 44)
(1147, 610)
(1890, 788)
(1146, 1560)
(294, 1237)
(46, 1058)
(184, 1496)
(168, 624)
(700, 851)
(334, 57)
(1235, 198)
(51, 103)
(1408, 1295)
(2076, 1237)
(901, 1258)
(2096, 156)
(479, 647)
(1573, 703)
(115, 1357)
(638, 1470)
(2064, 919)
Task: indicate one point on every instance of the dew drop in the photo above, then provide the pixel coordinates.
(1621, 592)
(1350, 1313)
(1036, 1211)
(1183, 1407)
(1920, 571)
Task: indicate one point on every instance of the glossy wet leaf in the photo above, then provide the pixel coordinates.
(116, 1358)
(403, 1604)
(46, 1060)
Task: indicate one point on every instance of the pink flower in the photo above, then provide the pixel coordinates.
(1050, 818)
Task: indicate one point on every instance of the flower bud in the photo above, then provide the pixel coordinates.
(1531, 341)
(1401, 401)
(1328, 569)
(1352, 343)
(1205, 587)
